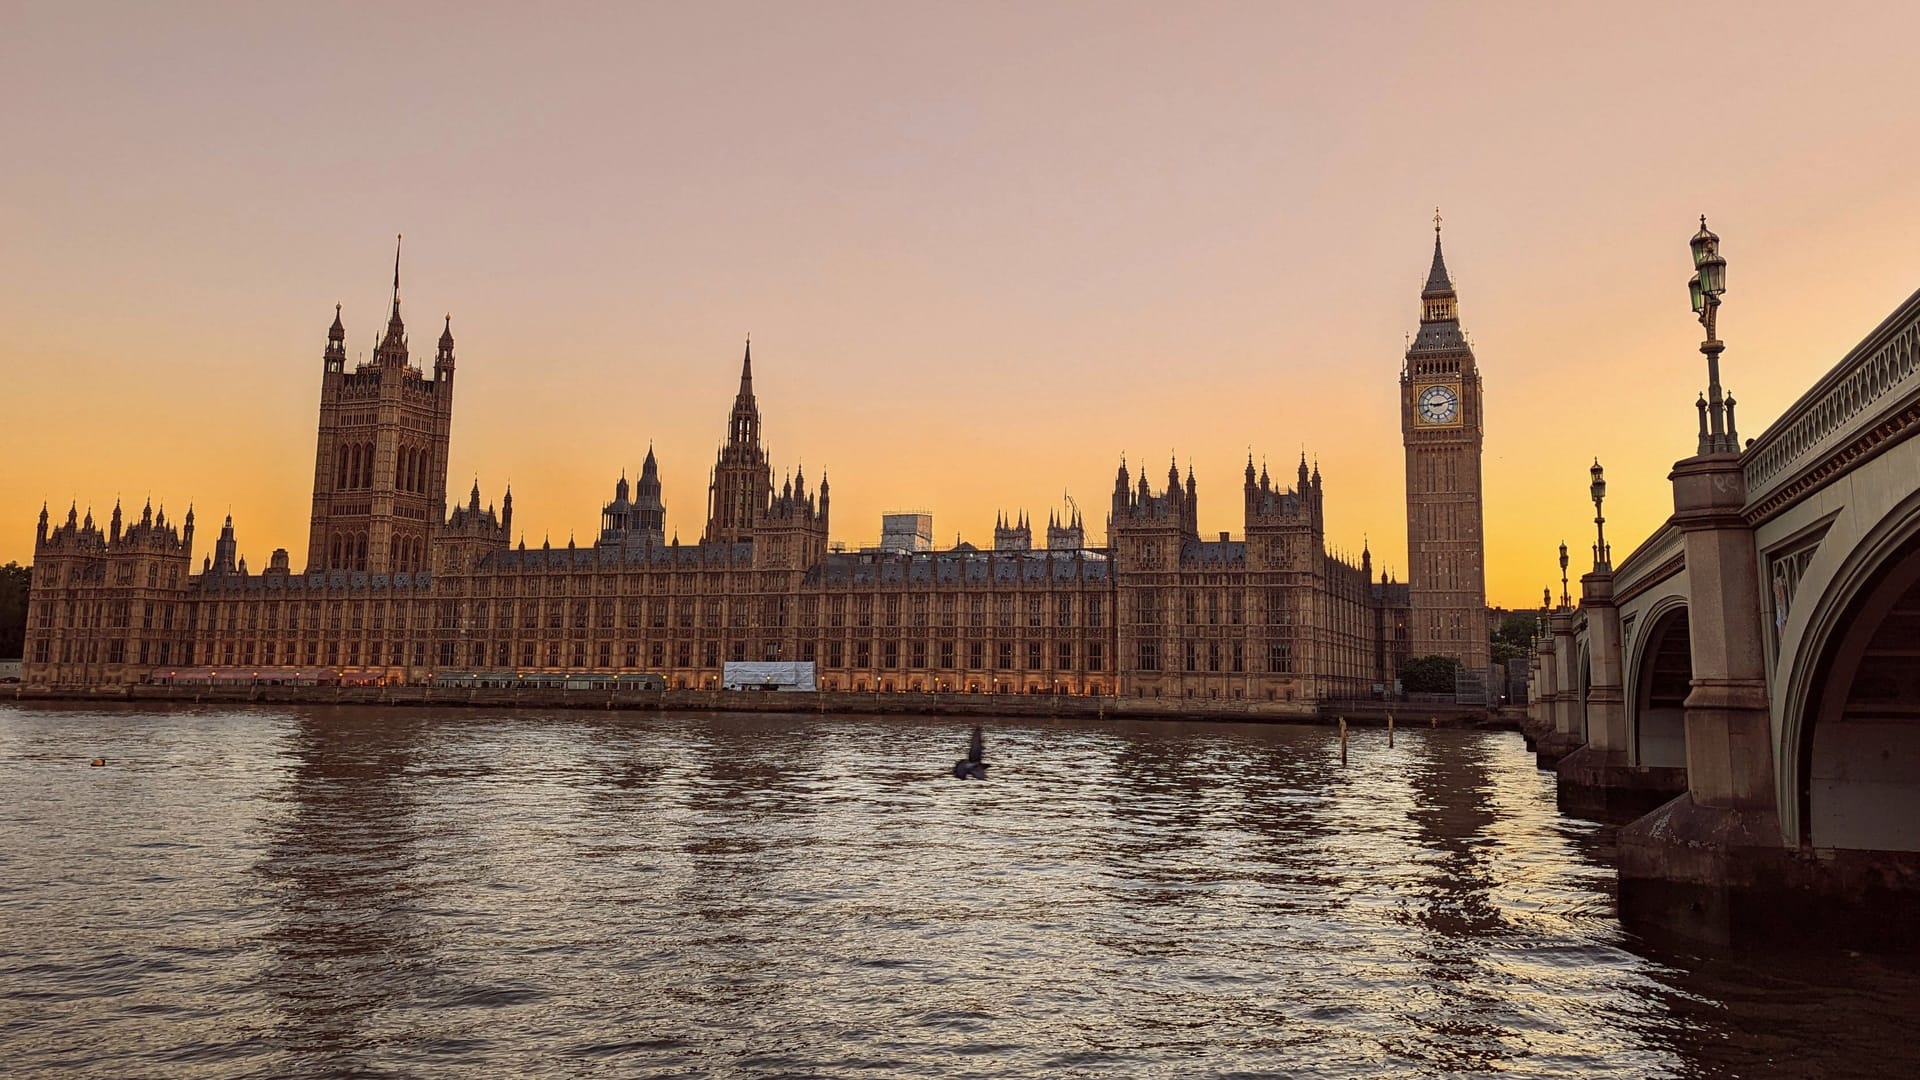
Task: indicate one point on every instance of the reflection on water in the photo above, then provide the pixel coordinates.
(350, 892)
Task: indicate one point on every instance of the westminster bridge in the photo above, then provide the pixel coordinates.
(1747, 681)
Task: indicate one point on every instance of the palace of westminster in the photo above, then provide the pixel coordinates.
(398, 590)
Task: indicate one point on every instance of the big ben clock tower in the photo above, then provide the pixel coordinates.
(1443, 425)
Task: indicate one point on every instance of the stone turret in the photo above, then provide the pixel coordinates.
(1065, 532)
(1012, 534)
(1284, 526)
(470, 534)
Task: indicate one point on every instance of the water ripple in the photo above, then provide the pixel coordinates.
(329, 892)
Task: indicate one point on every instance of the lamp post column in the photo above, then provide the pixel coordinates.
(1569, 721)
(1729, 736)
(1606, 717)
(1550, 747)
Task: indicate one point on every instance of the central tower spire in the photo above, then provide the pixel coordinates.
(743, 427)
(1438, 302)
(393, 347)
(742, 483)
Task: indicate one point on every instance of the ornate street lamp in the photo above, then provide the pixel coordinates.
(1704, 289)
(1602, 555)
(1566, 600)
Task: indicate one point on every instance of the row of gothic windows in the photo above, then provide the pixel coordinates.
(353, 468)
(405, 554)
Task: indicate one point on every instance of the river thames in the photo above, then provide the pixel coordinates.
(333, 892)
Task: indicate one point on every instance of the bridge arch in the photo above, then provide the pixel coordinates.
(1849, 772)
(1659, 679)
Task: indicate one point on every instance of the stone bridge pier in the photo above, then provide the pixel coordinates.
(1682, 864)
(1554, 723)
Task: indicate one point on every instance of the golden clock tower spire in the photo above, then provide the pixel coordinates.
(1442, 426)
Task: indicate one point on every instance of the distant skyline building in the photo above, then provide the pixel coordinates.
(399, 590)
(906, 532)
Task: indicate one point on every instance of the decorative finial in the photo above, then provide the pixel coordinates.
(396, 269)
(1436, 221)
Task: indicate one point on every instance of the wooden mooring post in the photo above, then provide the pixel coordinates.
(1343, 740)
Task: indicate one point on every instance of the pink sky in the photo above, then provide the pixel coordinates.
(982, 249)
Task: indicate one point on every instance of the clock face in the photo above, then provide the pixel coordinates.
(1438, 405)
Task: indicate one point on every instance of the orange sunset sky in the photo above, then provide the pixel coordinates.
(983, 249)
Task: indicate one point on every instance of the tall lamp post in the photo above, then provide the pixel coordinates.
(1566, 599)
(1708, 284)
(1602, 554)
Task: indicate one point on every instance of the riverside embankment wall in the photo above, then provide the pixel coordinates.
(999, 705)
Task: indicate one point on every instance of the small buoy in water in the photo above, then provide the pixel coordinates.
(97, 762)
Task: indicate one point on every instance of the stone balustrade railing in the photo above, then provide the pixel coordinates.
(1881, 373)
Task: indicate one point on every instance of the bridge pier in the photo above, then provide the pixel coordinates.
(1721, 875)
(1530, 727)
(1540, 712)
(1569, 719)
(1550, 717)
(1711, 863)
(1604, 785)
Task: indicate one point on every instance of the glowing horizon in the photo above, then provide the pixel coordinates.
(982, 253)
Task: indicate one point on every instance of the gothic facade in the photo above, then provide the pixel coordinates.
(397, 589)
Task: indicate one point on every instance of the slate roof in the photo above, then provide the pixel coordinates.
(319, 581)
(1438, 283)
(658, 555)
(1439, 337)
(1213, 553)
(957, 568)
